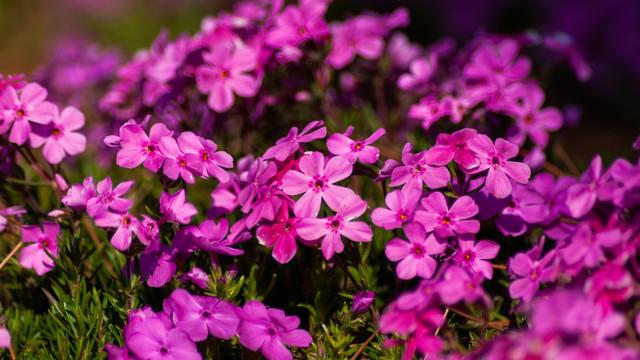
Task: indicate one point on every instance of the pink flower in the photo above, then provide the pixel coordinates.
(454, 147)
(175, 207)
(360, 35)
(280, 235)
(126, 226)
(288, 145)
(401, 207)
(531, 119)
(108, 199)
(494, 158)
(457, 284)
(5, 338)
(30, 107)
(448, 221)
(200, 150)
(421, 71)
(59, 137)
(332, 227)
(181, 159)
(473, 256)
(78, 195)
(224, 73)
(315, 180)
(414, 255)
(298, 24)
(138, 148)
(497, 65)
(418, 169)
(341, 144)
(529, 272)
(34, 256)
(269, 330)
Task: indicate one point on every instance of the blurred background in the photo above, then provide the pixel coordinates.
(32, 32)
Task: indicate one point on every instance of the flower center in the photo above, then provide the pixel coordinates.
(459, 146)
(335, 224)
(495, 161)
(205, 156)
(20, 112)
(528, 119)
(224, 74)
(206, 314)
(417, 250)
(319, 184)
(467, 256)
(287, 226)
(417, 169)
(56, 132)
(302, 31)
(183, 163)
(126, 220)
(45, 243)
(446, 220)
(164, 350)
(357, 146)
(150, 148)
(271, 331)
(403, 216)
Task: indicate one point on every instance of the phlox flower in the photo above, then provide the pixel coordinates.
(224, 73)
(281, 235)
(414, 255)
(494, 158)
(454, 147)
(5, 338)
(138, 148)
(529, 271)
(458, 284)
(19, 112)
(200, 150)
(297, 24)
(401, 206)
(315, 179)
(259, 172)
(197, 276)
(181, 158)
(586, 246)
(14, 210)
(418, 169)
(269, 330)
(211, 237)
(200, 316)
(331, 228)
(34, 256)
(341, 144)
(109, 198)
(361, 301)
(126, 226)
(592, 185)
(78, 195)
(524, 206)
(289, 144)
(429, 110)
(497, 65)
(158, 264)
(58, 136)
(448, 221)
(422, 69)
(175, 207)
(474, 256)
(360, 35)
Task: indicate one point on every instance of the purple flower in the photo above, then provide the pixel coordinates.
(454, 147)
(5, 338)
(58, 136)
(447, 222)
(106, 199)
(126, 226)
(224, 73)
(592, 185)
(175, 207)
(457, 284)
(269, 330)
(417, 169)
(196, 276)
(78, 195)
(289, 144)
(151, 336)
(473, 255)
(202, 151)
(315, 180)
(361, 301)
(414, 255)
(494, 158)
(359, 35)
(586, 246)
(530, 272)
(341, 144)
(200, 316)
(333, 227)
(34, 256)
(30, 107)
(401, 209)
(281, 235)
(181, 158)
(422, 69)
(138, 148)
(298, 24)
(496, 65)
(211, 237)
(158, 264)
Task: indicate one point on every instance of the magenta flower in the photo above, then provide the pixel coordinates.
(361, 301)
(592, 185)
(315, 180)
(280, 235)
(447, 222)
(138, 148)
(414, 255)
(59, 138)
(30, 107)
(401, 208)
(474, 256)
(158, 264)
(530, 118)
(153, 338)
(199, 150)
(5, 338)
(341, 144)
(429, 110)
(34, 256)
(497, 65)
(418, 169)
(298, 24)
(530, 272)
(197, 276)
(175, 207)
(211, 237)
(360, 35)
(126, 226)
(454, 147)
(457, 284)
(200, 316)
(494, 158)
(289, 144)
(224, 74)
(78, 196)
(332, 227)
(586, 246)
(106, 199)
(269, 330)
(422, 69)
(181, 160)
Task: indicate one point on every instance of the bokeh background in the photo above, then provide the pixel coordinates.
(607, 31)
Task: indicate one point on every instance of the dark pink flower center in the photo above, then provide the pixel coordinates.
(126, 220)
(182, 163)
(164, 350)
(459, 146)
(446, 220)
(468, 256)
(335, 224)
(45, 243)
(495, 161)
(206, 314)
(418, 250)
(357, 146)
(272, 331)
(150, 148)
(56, 132)
(318, 184)
(20, 112)
(224, 74)
(205, 156)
